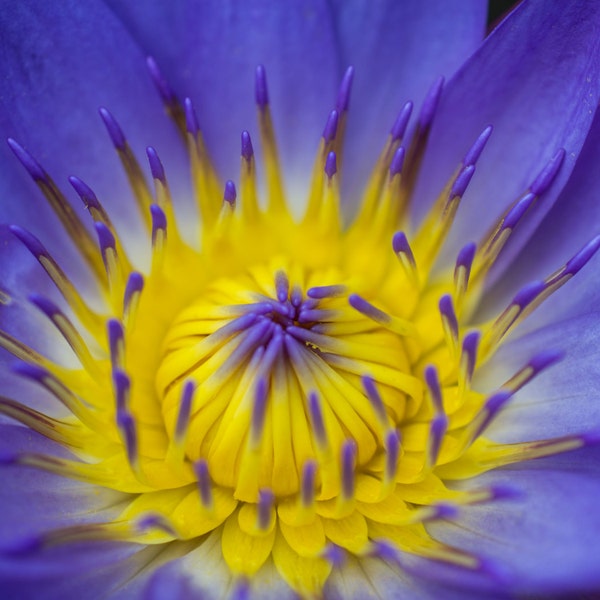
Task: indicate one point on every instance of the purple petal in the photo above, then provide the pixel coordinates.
(563, 399)
(59, 66)
(546, 540)
(397, 49)
(209, 51)
(571, 223)
(535, 79)
(33, 501)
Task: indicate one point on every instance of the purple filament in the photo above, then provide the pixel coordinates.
(31, 165)
(343, 99)
(448, 314)
(348, 460)
(114, 130)
(204, 484)
(260, 87)
(247, 150)
(330, 130)
(122, 387)
(230, 193)
(185, 407)
(331, 165)
(156, 166)
(472, 156)
(548, 174)
(399, 127)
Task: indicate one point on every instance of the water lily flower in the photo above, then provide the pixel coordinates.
(299, 365)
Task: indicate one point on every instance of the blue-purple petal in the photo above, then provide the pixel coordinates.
(536, 80)
(546, 540)
(560, 401)
(59, 65)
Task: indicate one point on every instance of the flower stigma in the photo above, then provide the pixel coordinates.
(297, 388)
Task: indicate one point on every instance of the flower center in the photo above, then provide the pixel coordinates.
(277, 385)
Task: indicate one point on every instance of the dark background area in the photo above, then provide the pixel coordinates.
(497, 9)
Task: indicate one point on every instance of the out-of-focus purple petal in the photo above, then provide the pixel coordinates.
(560, 401)
(547, 539)
(33, 502)
(536, 80)
(398, 49)
(208, 50)
(57, 66)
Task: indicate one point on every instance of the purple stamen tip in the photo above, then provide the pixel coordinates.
(166, 94)
(122, 385)
(185, 407)
(114, 130)
(582, 257)
(397, 161)
(326, 291)
(331, 165)
(547, 175)
(126, 424)
(26, 545)
(334, 555)
(45, 305)
(462, 181)
(265, 503)
(241, 591)
(591, 438)
(203, 477)
(309, 472)
(260, 86)
(343, 99)
(444, 510)
(135, 284)
(400, 124)
(247, 150)
(385, 550)
(374, 397)
(528, 293)
(469, 349)
(400, 245)
(260, 406)
(504, 491)
(515, 214)
(156, 166)
(331, 126)
(115, 332)
(31, 165)
(191, 120)
(282, 286)
(392, 452)
(437, 430)
(545, 359)
(432, 381)
(230, 193)
(348, 458)
(366, 308)
(159, 219)
(84, 192)
(466, 255)
(28, 240)
(472, 156)
(316, 415)
(105, 237)
(496, 401)
(430, 104)
(447, 311)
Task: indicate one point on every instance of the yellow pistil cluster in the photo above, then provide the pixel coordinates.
(293, 386)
